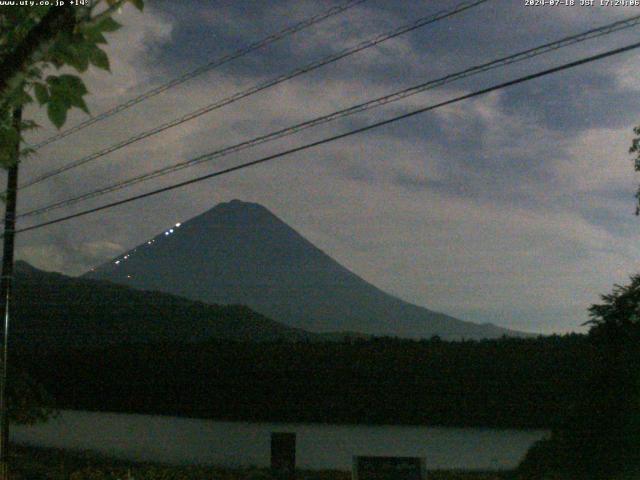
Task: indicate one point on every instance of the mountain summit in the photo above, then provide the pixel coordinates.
(241, 253)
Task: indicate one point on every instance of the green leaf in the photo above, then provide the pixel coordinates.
(79, 60)
(35, 72)
(108, 24)
(79, 103)
(27, 151)
(99, 59)
(74, 83)
(57, 112)
(42, 93)
(139, 4)
(28, 125)
(17, 97)
(65, 91)
(74, 55)
(21, 98)
(66, 86)
(94, 36)
(52, 80)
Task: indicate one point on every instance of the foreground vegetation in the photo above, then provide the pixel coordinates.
(54, 464)
(600, 435)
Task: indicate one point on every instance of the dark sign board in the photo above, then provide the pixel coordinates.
(388, 468)
(283, 454)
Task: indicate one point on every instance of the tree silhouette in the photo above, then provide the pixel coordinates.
(601, 434)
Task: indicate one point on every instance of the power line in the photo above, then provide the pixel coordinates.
(393, 97)
(421, 22)
(333, 11)
(307, 146)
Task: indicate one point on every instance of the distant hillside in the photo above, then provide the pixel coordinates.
(53, 310)
(240, 253)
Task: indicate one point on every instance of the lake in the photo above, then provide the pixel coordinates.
(239, 444)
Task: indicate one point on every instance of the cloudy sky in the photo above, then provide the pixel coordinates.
(514, 208)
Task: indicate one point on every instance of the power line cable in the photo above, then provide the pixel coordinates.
(333, 138)
(333, 11)
(421, 22)
(393, 97)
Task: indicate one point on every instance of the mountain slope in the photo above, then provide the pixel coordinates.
(52, 310)
(240, 253)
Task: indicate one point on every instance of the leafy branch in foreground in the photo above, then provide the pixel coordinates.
(38, 46)
(38, 40)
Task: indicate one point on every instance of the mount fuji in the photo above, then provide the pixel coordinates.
(241, 253)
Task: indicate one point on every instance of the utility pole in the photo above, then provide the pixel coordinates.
(6, 284)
